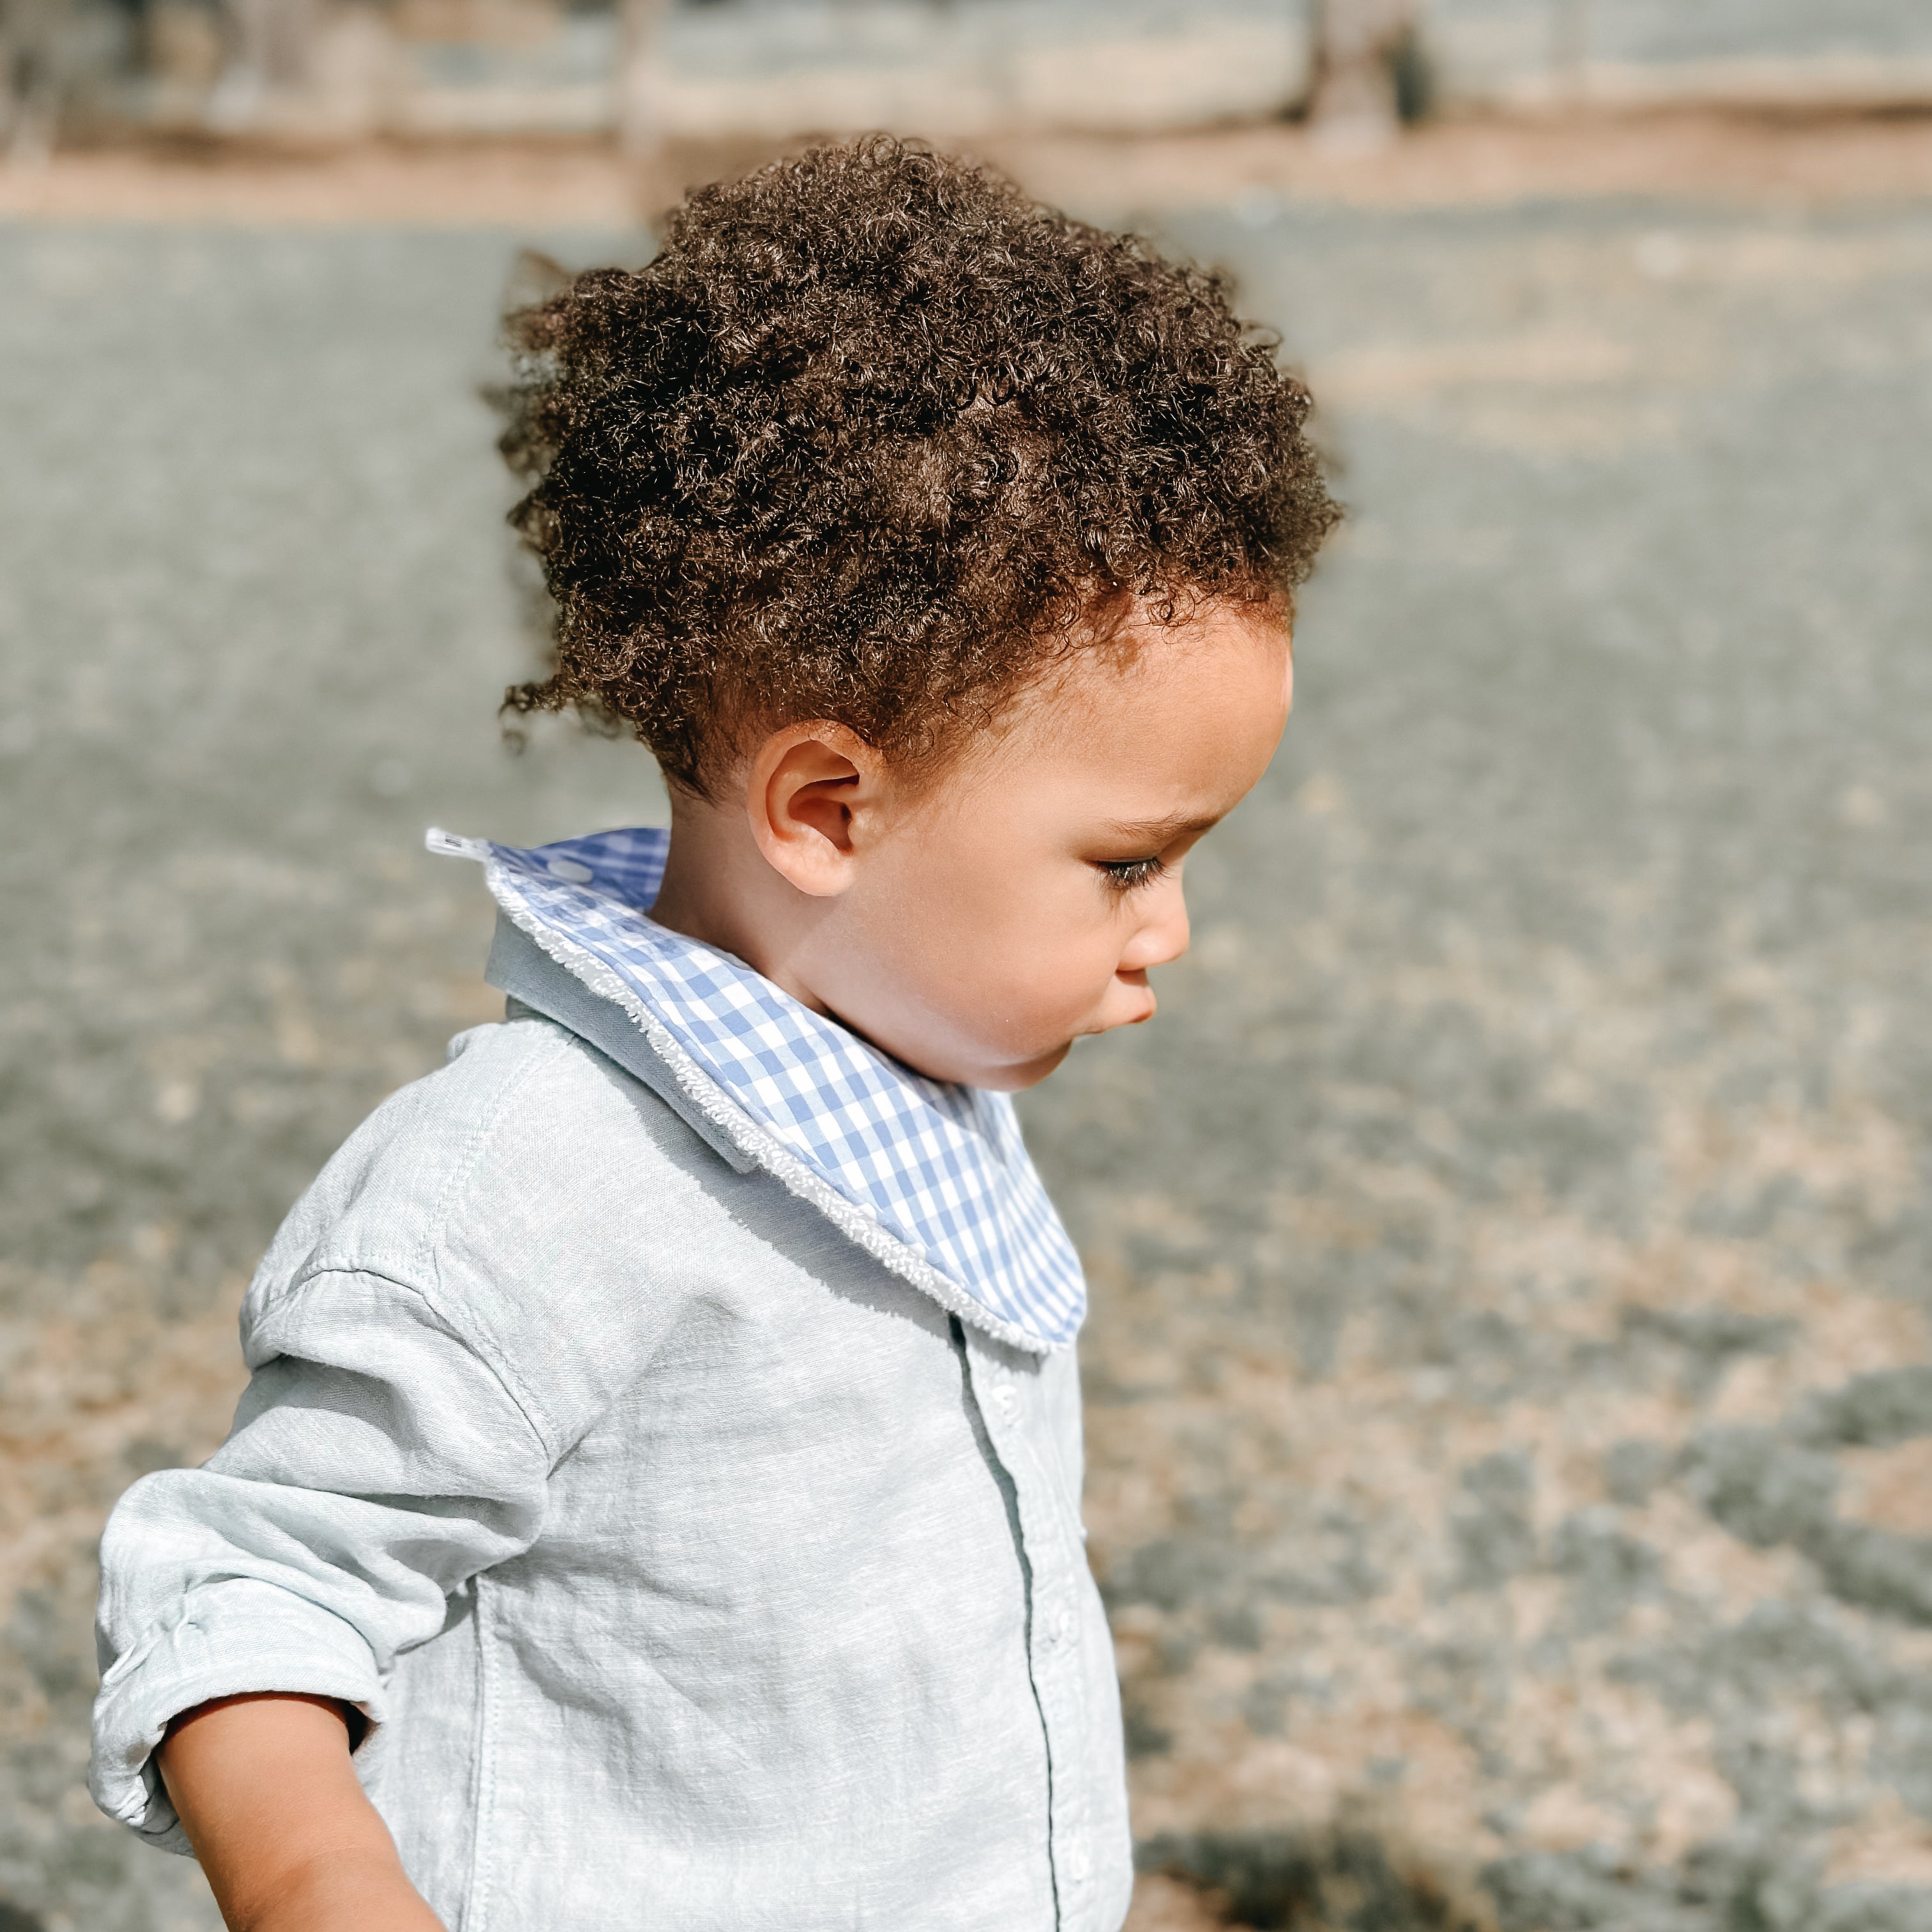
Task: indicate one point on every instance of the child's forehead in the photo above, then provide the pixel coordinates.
(1151, 699)
(1178, 651)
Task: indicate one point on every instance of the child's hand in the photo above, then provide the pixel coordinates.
(271, 1804)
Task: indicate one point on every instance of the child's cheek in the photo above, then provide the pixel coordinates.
(1078, 990)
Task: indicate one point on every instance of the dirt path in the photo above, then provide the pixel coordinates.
(1756, 160)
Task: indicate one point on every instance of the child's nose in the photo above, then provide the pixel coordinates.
(1162, 938)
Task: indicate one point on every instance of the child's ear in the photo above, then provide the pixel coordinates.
(806, 784)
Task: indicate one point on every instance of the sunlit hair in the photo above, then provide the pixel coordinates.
(872, 438)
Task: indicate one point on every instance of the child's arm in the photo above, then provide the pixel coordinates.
(267, 1795)
(378, 1463)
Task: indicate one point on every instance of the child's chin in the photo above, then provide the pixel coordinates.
(1016, 1076)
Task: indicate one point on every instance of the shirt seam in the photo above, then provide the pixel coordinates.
(1077, 1801)
(428, 1254)
(1008, 1484)
(496, 1365)
(462, 1168)
(482, 1865)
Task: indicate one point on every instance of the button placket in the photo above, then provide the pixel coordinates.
(1050, 1549)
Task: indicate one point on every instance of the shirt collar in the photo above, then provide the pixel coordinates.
(931, 1178)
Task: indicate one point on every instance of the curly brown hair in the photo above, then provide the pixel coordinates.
(874, 436)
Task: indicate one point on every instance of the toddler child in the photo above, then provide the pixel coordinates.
(656, 1502)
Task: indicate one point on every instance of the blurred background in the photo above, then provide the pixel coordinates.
(1510, 1401)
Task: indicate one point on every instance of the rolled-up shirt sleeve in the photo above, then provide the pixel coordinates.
(379, 1460)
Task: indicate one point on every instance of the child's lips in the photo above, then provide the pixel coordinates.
(1136, 1013)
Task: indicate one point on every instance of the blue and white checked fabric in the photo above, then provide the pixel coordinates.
(940, 1169)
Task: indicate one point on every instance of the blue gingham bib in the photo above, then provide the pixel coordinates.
(932, 1179)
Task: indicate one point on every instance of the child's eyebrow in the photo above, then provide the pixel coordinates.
(1156, 832)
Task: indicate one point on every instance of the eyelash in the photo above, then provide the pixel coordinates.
(1128, 875)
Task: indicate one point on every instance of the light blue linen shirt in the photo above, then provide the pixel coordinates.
(696, 1569)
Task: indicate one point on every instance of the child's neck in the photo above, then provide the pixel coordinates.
(718, 888)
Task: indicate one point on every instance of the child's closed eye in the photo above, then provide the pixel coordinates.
(1127, 875)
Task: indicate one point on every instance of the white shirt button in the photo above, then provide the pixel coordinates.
(1057, 1625)
(1005, 1399)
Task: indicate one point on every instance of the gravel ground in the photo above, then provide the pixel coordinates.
(1511, 1410)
